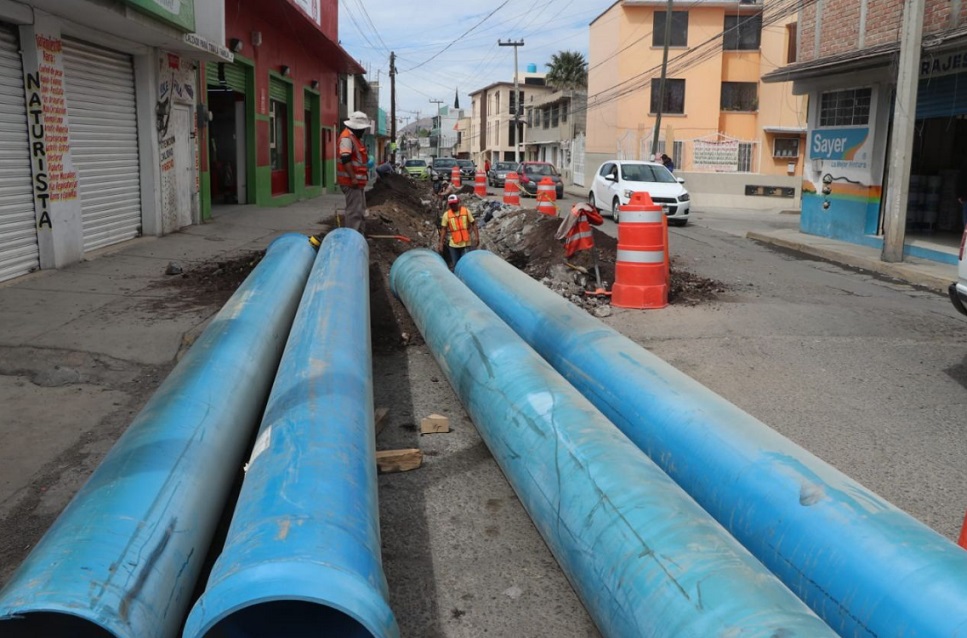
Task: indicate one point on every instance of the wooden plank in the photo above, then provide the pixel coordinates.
(388, 461)
(435, 424)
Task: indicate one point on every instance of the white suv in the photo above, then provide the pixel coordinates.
(958, 291)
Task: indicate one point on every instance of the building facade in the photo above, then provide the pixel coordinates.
(717, 117)
(496, 131)
(553, 122)
(847, 66)
(98, 108)
(276, 110)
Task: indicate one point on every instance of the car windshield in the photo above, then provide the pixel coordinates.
(504, 166)
(444, 162)
(539, 169)
(646, 173)
(415, 163)
(465, 163)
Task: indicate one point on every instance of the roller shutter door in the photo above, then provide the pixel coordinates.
(102, 112)
(945, 96)
(220, 74)
(19, 253)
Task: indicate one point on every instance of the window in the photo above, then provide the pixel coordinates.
(547, 117)
(530, 117)
(278, 133)
(792, 40)
(564, 112)
(742, 32)
(746, 153)
(674, 96)
(606, 169)
(679, 33)
(785, 147)
(343, 90)
(513, 102)
(740, 96)
(555, 115)
(537, 117)
(511, 133)
(845, 108)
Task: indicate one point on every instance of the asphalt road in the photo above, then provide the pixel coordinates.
(868, 374)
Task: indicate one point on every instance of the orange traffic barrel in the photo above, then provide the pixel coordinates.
(546, 197)
(480, 184)
(641, 275)
(511, 190)
(455, 177)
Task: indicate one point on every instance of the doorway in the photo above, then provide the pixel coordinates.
(227, 146)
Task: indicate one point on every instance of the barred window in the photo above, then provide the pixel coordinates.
(845, 108)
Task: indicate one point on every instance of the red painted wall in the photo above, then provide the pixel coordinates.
(285, 42)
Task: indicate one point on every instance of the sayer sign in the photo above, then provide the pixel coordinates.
(837, 144)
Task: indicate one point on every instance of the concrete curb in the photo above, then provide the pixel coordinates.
(909, 273)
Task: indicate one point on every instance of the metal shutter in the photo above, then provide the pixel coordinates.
(278, 90)
(233, 75)
(102, 113)
(19, 253)
(945, 96)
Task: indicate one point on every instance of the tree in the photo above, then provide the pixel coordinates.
(567, 70)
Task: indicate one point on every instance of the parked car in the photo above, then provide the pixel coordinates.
(616, 180)
(441, 168)
(468, 170)
(531, 173)
(498, 173)
(958, 289)
(416, 168)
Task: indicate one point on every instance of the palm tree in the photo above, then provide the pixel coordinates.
(567, 70)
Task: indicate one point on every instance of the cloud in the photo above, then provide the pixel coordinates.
(416, 30)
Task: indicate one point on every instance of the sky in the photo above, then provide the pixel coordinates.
(420, 31)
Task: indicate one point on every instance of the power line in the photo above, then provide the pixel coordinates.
(457, 39)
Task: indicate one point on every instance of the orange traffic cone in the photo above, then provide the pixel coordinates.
(511, 190)
(455, 177)
(546, 197)
(962, 541)
(641, 265)
(480, 184)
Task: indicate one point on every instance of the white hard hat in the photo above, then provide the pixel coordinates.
(358, 120)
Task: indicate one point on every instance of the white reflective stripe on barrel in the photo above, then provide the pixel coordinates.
(641, 256)
(640, 216)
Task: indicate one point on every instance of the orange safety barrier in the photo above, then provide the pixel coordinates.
(641, 275)
(480, 184)
(546, 197)
(511, 190)
(962, 541)
(455, 177)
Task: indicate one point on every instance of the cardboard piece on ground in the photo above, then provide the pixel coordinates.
(380, 418)
(434, 424)
(388, 461)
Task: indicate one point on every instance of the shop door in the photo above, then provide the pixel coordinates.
(102, 112)
(279, 136)
(309, 147)
(19, 253)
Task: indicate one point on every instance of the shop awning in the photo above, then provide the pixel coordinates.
(785, 130)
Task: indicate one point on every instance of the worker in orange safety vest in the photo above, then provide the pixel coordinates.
(352, 171)
(575, 229)
(462, 227)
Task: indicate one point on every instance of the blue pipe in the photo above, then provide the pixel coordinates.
(644, 558)
(123, 558)
(864, 566)
(302, 556)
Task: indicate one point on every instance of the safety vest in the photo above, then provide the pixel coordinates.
(354, 173)
(457, 223)
(580, 237)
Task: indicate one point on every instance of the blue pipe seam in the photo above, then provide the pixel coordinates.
(864, 566)
(644, 558)
(302, 556)
(125, 554)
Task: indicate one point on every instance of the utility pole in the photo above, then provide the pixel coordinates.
(901, 140)
(516, 44)
(661, 82)
(392, 105)
(439, 125)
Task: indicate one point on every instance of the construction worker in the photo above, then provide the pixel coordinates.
(462, 227)
(352, 172)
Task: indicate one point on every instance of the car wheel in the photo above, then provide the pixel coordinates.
(591, 200)
(614, 210)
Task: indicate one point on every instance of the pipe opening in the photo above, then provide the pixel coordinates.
(33, 625)
(290, 618)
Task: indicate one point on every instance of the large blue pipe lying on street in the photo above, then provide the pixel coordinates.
(302, 556)
(863, 565)
(124, 557)
(644, 558)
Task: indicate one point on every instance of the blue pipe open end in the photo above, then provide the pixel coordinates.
(53, 623)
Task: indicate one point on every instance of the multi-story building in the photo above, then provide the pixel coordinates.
(495, 129)
(554, 121)
(717, 117)
(278, 107)
(462, 149)
(848, 66)
(97, 123)
(443, 134)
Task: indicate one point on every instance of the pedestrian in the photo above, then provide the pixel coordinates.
(487, 165)
(668, 163)
(462, 227)
(352, 172)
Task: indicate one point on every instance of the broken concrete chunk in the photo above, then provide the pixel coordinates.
(435, 424)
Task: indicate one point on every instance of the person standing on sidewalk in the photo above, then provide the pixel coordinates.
(459, 222)
(352, 172)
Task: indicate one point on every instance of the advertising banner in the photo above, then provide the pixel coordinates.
(177, 13)
(721, 156)
(844, 147)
